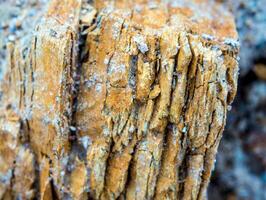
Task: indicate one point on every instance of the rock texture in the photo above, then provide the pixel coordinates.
(118, 100)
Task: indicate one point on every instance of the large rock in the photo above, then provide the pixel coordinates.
(124, 99)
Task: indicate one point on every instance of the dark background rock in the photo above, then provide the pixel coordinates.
(240, 171)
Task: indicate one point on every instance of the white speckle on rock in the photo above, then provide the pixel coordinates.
(27, 113)
(5, 178)
(98, 87)
(140, 41)
(46, 120)
(116, 67)
(146, 126)
(106, 131)
(93, 80)
(233, 43)
(131, 129)
(85, 140)
(165, 65)
(184, 130)
(62, 173)
(106, 60)
(152, 5)
(64, 161)
(138, 8)
(116, 28)
(72, 128)
(11, 38)
(207, 36)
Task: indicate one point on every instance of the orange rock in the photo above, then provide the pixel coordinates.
(123, 99)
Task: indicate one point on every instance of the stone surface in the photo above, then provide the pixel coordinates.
(122, 99)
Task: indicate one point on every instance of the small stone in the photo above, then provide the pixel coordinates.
(72, 128)
(11, 38)
(184, 130)
(85, 140)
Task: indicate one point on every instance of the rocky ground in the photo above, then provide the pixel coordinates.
(240, 171)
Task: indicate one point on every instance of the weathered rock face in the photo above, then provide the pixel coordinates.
(120, 100)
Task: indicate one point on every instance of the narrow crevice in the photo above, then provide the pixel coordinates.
(26, 141)
(24, 73)
(109, 157)
(53, 190)
(165, 148)
(133, 74)
(32, 71)
(20, 87)
(81, 56)
(12, 179)
(182, 174)
(36, 183)
(182, 171)
(78, 56)
(130, 167)
(149, 173)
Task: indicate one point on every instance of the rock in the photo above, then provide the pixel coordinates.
(134, 107)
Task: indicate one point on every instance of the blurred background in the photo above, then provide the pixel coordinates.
(240, 171)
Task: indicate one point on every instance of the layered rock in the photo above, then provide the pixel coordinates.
(124, 99)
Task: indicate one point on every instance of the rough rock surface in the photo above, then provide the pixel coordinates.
(119, 100)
